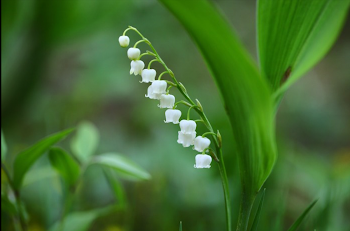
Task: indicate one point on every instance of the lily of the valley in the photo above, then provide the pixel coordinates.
(172, 116)
(136, 67)
(201, 143)
(148, 75)
(159, 87)
(188, 126)
(202, 161)
(150, 94)
(124, 41)
(186, 139)
(166, 101)
(133, 53)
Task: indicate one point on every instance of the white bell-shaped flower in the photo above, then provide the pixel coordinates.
(166, 101)
(151, 94)
(172, 116)
(188, 126)
(148, 75)
(124, 41)
(134, 53)
(159, 86)
(136, 67)
(201, 143)
(202, 161)
(186, 139)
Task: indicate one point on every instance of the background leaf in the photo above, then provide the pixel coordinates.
(245, 94)
(3, 147)
(7, 206)
(85, 142)
(81, 221)
(26, 159)
(121, 165)
(302, 216)
(293, 35)
(67, 167)
(117, 188)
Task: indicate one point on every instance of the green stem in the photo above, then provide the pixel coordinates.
(205, 120)
(244, 212)
(19, 222)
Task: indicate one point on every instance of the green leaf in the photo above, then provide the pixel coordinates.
(26, 159)
(7, 206)
(3, 147)
(81, 221)
(293, 35)
(122, 165)
(302, 216)
(117, 188)
(180, 227)
(65, 165)
(245, 94)
(38, 174)
(85, 142)
(258, 211)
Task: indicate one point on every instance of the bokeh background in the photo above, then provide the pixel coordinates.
(61, 64)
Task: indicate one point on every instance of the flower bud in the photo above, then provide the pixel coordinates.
(166, 101)
(188, 126)
(133, 53)
(136, 67)
(148, 75)
(201, 143)
(159, 86)
(186, 139)
(124, 41)
(172, 116)
(202, 161)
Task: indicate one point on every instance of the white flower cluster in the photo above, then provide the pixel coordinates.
(158, 90)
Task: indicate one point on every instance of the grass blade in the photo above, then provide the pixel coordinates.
(258, 211)
(302, 216)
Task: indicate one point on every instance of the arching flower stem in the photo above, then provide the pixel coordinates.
(201, 113)
(154, 60)
(138, 42)
(161, 74)
(209, 133)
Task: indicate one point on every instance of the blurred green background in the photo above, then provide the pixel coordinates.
(61, 64)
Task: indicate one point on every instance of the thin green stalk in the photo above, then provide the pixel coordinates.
(22, 223)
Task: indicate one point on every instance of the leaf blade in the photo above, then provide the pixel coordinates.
(65, 165)
(294, 35)
(246, 96)
(301, 217)
(257, 214)
(121, 164)
(3, 147)
(26, 158)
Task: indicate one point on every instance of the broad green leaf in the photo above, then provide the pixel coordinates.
(26, 159)
(245, 94)
(38, 174)
(65, 165)
(302, 216)
(293, 35)
(121, 164)
(85, 142)
(117, 188)
(3, 147)
(81, 221)
(257, 214)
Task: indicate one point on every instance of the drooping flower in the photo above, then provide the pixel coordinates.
(150, 94)
(186, 139)
(133, 53)
(201, 143)
(159, 86)
(172, 116)
(188, 126)
(124, 41)
(166, 101)
(136, 67)
(202, 161)
(148, 75)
